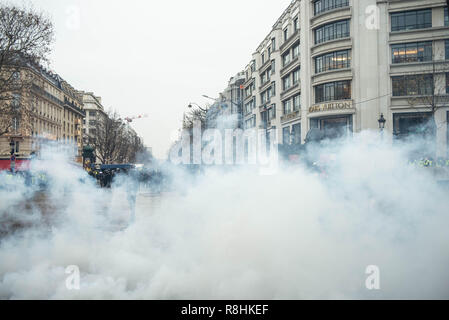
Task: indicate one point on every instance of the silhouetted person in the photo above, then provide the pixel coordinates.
(132, 187)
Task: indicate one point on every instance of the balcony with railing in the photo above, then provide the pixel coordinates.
(45, 94)
(73, 106)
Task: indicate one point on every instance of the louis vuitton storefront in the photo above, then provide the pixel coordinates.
(334, 120)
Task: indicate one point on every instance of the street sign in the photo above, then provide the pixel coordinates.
(13, 158)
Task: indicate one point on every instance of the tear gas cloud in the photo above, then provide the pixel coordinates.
(233, 235)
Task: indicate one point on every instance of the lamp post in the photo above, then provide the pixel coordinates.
(203, 113)
(381, 121)
(190, 106)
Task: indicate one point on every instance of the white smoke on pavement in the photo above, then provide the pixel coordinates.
(236, 235)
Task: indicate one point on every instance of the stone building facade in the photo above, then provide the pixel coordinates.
(338, 65)
(51, 110)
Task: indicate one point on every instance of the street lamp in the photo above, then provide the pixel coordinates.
(381, 121)
(196, 104)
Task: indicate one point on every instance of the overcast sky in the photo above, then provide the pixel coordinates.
(155, 57)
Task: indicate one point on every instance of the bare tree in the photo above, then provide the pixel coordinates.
(192, 116)
(424, 89)
(431, 84)
(106, 138)
(25, 39)
(114, 141)
(130, 146)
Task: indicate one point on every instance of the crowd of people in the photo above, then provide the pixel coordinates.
(151, 179)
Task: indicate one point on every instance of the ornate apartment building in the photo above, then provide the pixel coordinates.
(226, 112)
(51, 110)
(338, 65)
(94, 112)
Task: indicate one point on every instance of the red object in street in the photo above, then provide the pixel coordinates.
(21, 164)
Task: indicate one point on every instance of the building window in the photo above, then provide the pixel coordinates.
(16, 98)
(296, 102)
(332, 61)
(92, 113)
(16, 123)
(410, 20)
(247, 91)
(296, 133)
(446, 18)
(273, 66)
(295, 51)
(412, 52)
(263, 78)
(250, 123)
(295, 76)
(415, 124)
(272, 112)
(253, 66)
(331, 31)
(273, 44)
(249, 106)
(286, 58)
(286, 135)
(325, 5)
(263, 118)
(412, 85)
(263, 58)
(446, 49)
(286, 84)
(273, 88)
(285, 34)
(287, 106)
(447, 82)
(296, 24)
(266, 95)
(339, 90)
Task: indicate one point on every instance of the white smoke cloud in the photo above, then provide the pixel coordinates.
(291, 235)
